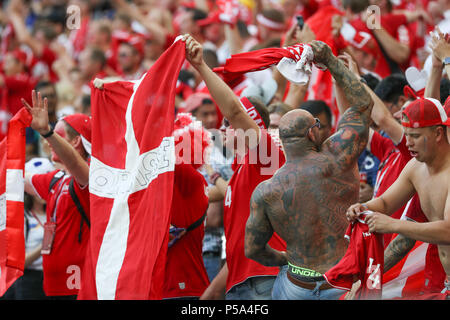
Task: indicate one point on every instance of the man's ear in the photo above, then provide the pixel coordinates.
(311, 136)
(441, 133)
(76, 142)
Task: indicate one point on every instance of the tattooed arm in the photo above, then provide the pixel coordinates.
(353, 129)
(396, 251)
(258, 232)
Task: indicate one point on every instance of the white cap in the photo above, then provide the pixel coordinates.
(39, 166)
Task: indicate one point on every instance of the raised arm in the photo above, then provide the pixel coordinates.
(226, 99)
(380, 113)
(297, 92)
(158, 32)
(397, 51)
(353, 128)
(258, 232)
(440, 46)
(69, 157)
(20, 29)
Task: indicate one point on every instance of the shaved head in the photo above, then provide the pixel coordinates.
(295, 123)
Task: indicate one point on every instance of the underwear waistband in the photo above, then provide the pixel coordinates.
(304, 274)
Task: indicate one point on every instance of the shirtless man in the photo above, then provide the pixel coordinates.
(305, 201)
(427, 174)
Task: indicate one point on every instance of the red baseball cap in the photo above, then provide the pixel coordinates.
(424, 112)
(81, 123)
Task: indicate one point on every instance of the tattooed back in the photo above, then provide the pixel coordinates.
(305, 202)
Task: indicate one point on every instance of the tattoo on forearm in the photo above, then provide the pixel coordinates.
(396, 250)
(355, 93)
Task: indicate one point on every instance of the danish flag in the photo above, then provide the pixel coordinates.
(12, 163)
(131, 182)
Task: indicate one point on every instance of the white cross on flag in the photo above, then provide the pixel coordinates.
(131, 182)
(12, 163)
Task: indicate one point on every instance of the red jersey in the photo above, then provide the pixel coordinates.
(395, 25)
(362, 39)
(185, 274)
(63, 266)
(247, 175)
(364, 259)
(398, 27)
(393, 160)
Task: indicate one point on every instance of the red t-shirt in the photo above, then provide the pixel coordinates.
(395, 25)
(365, 41)
(363, 259)
(186, 275)
(247, 175)
(63, 266)
(392, 22)
(393, 159)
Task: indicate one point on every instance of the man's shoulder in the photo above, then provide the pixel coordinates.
(265, 189)
(415, 169)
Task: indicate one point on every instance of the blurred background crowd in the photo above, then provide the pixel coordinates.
(58, 47)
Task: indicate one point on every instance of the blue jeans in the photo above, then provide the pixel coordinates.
(284, 289)
(446, 286)
(213, 264)
(255, 288)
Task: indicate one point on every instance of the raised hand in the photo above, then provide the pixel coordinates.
(194, 51)
(349, 63)
(440, 45)
(322, 52)
(39, 111)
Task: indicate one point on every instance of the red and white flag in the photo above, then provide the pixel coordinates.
(406, 278)
(12, 163)
(420, 271)
(294, 62)
(131, 182)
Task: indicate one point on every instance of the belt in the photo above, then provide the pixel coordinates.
(308, 285)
